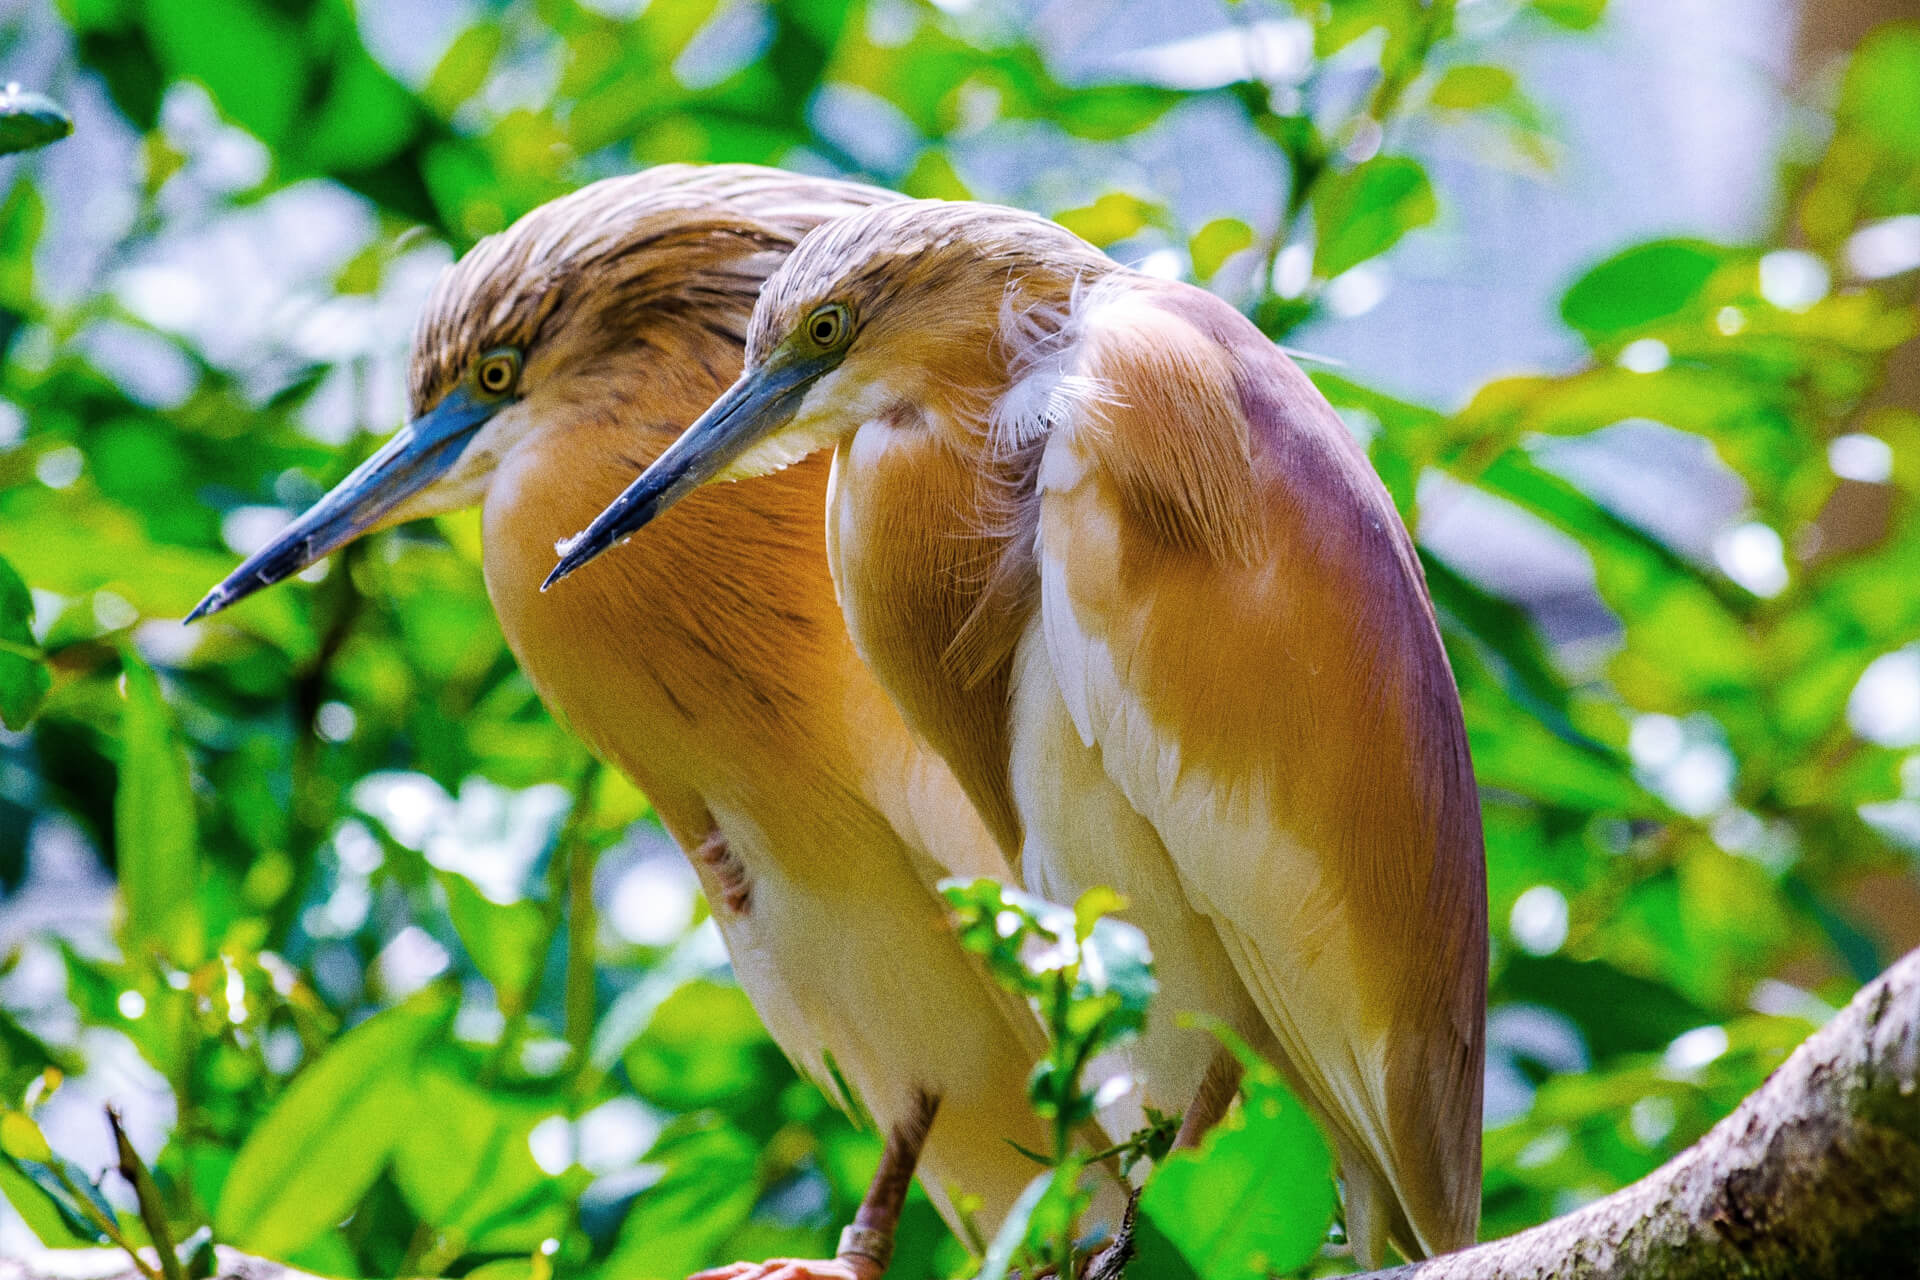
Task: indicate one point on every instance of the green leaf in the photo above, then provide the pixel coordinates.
(74, 1198)
(1646, 283)
(463, 69)
(464, 1163)
(1881, 96)
(306, 1165)
(1112, 218)
(1013, 1229)
(708, 1192)
(1472, 87)
(1575, 15)
(1363, 212)
(1214, 243)
(21, 1138)
(506, 940)
(1255, 1198)
(250, 59)
(1095, 903)
(47, 1215)
(24, 678)
(153, 822)
(1116, 975)
(1103, 113)
(29, 120)
(22, 218)
(704, 1047)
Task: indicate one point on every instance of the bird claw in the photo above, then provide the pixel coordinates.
(794, 1269)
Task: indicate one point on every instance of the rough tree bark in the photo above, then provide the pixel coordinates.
(1816, 1176)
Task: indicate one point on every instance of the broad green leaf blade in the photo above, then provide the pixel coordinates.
(24, 678)
(705, 1047)
(1575, 15)
(72, 1196)
(505, 939)
(1214, 243)
(1646, 283)
(29, 120)
(464, 1162)
(1472, 87)
(463, 69)
(46, 1214)
(1113, 217)
(154, 826)
(1255, 1198)
(21, 1138)
(1363, 212)
(306, 1165)
(679, 1224)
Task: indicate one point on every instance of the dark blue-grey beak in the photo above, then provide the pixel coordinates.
(753, 408)
(418, 455)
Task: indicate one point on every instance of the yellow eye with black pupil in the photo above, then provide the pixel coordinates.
(495, 375)
(827, 326)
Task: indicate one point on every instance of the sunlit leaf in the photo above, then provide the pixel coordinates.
(704, 1047)
(708, 1191)
(1113, 217)
(154, 823)
(1255, 1198)
(506, 940)
(1577, 15)
(1472, 87)
(305, 1166)
(44, 1215)
(21, 1138)
(1646, 283)
(24, 678)
(463, 68)
(464, 1161)
(1214, 243)
(1363, 212)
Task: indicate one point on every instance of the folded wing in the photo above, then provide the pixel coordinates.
(1240, 627)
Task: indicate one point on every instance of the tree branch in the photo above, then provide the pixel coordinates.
(1816, 1176)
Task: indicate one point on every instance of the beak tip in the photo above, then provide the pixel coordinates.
(576, 554)
(214, 601)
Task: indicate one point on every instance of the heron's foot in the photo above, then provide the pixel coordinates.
(849, 1268)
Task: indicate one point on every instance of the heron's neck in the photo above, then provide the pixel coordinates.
(700, 650)
(925, 539)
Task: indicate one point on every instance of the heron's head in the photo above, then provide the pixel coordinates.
(626, 292)
(875, 316)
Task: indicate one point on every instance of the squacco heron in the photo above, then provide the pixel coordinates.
(1117, 559)
(551, 363)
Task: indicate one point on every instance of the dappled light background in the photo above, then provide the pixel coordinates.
(1620, 296)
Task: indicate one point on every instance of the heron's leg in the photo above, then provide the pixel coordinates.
(1211, 1100)
(866, 1246)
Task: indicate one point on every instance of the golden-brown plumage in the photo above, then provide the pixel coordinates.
(1115, 556)
(716, 671)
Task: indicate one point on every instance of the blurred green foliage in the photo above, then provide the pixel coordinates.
(364, 970)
